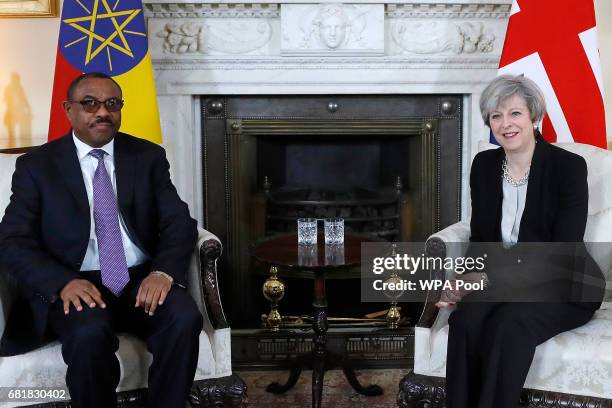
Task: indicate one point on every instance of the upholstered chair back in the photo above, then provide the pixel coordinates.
(599, 221)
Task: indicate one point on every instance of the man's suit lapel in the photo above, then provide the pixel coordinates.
(68, 162)
(125, 167)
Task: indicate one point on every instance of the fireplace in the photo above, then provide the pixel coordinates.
(389, 164)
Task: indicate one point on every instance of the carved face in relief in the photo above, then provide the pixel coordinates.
(333, 26)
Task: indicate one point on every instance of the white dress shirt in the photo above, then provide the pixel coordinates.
(89, 164)
(513, 205)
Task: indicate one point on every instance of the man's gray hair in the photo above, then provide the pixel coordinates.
(506, 86)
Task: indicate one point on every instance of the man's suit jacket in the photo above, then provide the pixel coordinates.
(555, 211)
(46, 226)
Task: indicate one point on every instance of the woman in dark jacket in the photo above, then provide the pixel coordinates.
(526, 191)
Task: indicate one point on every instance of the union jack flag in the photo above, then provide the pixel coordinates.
(555, 44)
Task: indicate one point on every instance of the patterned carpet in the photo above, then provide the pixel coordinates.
(337, 392)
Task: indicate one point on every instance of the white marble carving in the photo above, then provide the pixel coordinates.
(434, 37)
(238, 36)
(332, 29)
(184, 37)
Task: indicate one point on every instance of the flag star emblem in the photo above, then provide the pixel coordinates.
(104, 29)
(107, 37)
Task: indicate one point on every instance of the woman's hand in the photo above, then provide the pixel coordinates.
(450, 296)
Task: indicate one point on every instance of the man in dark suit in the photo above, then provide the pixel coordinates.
(99, 241)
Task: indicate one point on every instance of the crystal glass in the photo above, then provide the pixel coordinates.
(334, 254)
(334, 231)
(307, 255)
(307, 231)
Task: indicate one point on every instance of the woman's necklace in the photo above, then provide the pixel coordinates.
(508, 177)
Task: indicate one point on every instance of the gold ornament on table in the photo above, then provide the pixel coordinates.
(393, 315)
(273, 290)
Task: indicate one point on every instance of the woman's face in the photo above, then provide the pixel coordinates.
(512, 126)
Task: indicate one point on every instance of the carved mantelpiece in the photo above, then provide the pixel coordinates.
(328, 29)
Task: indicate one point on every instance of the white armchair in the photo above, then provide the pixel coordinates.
(573, 369)
(214, 386)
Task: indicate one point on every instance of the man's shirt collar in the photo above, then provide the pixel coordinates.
(83, 149)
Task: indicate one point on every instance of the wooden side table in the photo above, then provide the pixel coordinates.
(317, 263)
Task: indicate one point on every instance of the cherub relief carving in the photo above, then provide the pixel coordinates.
(432, 38)
(231, 37)
(184, 38)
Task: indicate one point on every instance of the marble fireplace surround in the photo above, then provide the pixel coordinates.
(305, 47)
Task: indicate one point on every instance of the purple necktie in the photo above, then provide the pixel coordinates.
(113, 266)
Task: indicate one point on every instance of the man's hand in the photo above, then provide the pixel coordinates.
(153, 291)
(81, 289)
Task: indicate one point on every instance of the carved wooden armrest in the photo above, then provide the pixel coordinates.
(444, 243)
(434, 247)
(210, 251)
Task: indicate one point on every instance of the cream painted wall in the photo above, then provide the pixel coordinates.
(27, 47)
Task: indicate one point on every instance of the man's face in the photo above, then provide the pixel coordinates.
(97, 128)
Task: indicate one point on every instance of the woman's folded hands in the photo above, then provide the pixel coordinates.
(455, 289)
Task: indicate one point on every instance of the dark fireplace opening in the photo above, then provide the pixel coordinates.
(333, 163)
(359, 179)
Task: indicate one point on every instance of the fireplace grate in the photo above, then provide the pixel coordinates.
(375, 212)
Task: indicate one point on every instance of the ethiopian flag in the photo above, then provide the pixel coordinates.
(107, 36)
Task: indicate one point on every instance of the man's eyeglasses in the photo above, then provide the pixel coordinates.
(92, 105)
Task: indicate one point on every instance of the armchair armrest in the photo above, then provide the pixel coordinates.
(438, 245)
(202, 279)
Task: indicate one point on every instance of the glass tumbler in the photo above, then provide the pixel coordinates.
(334, 231)
(307, 231)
